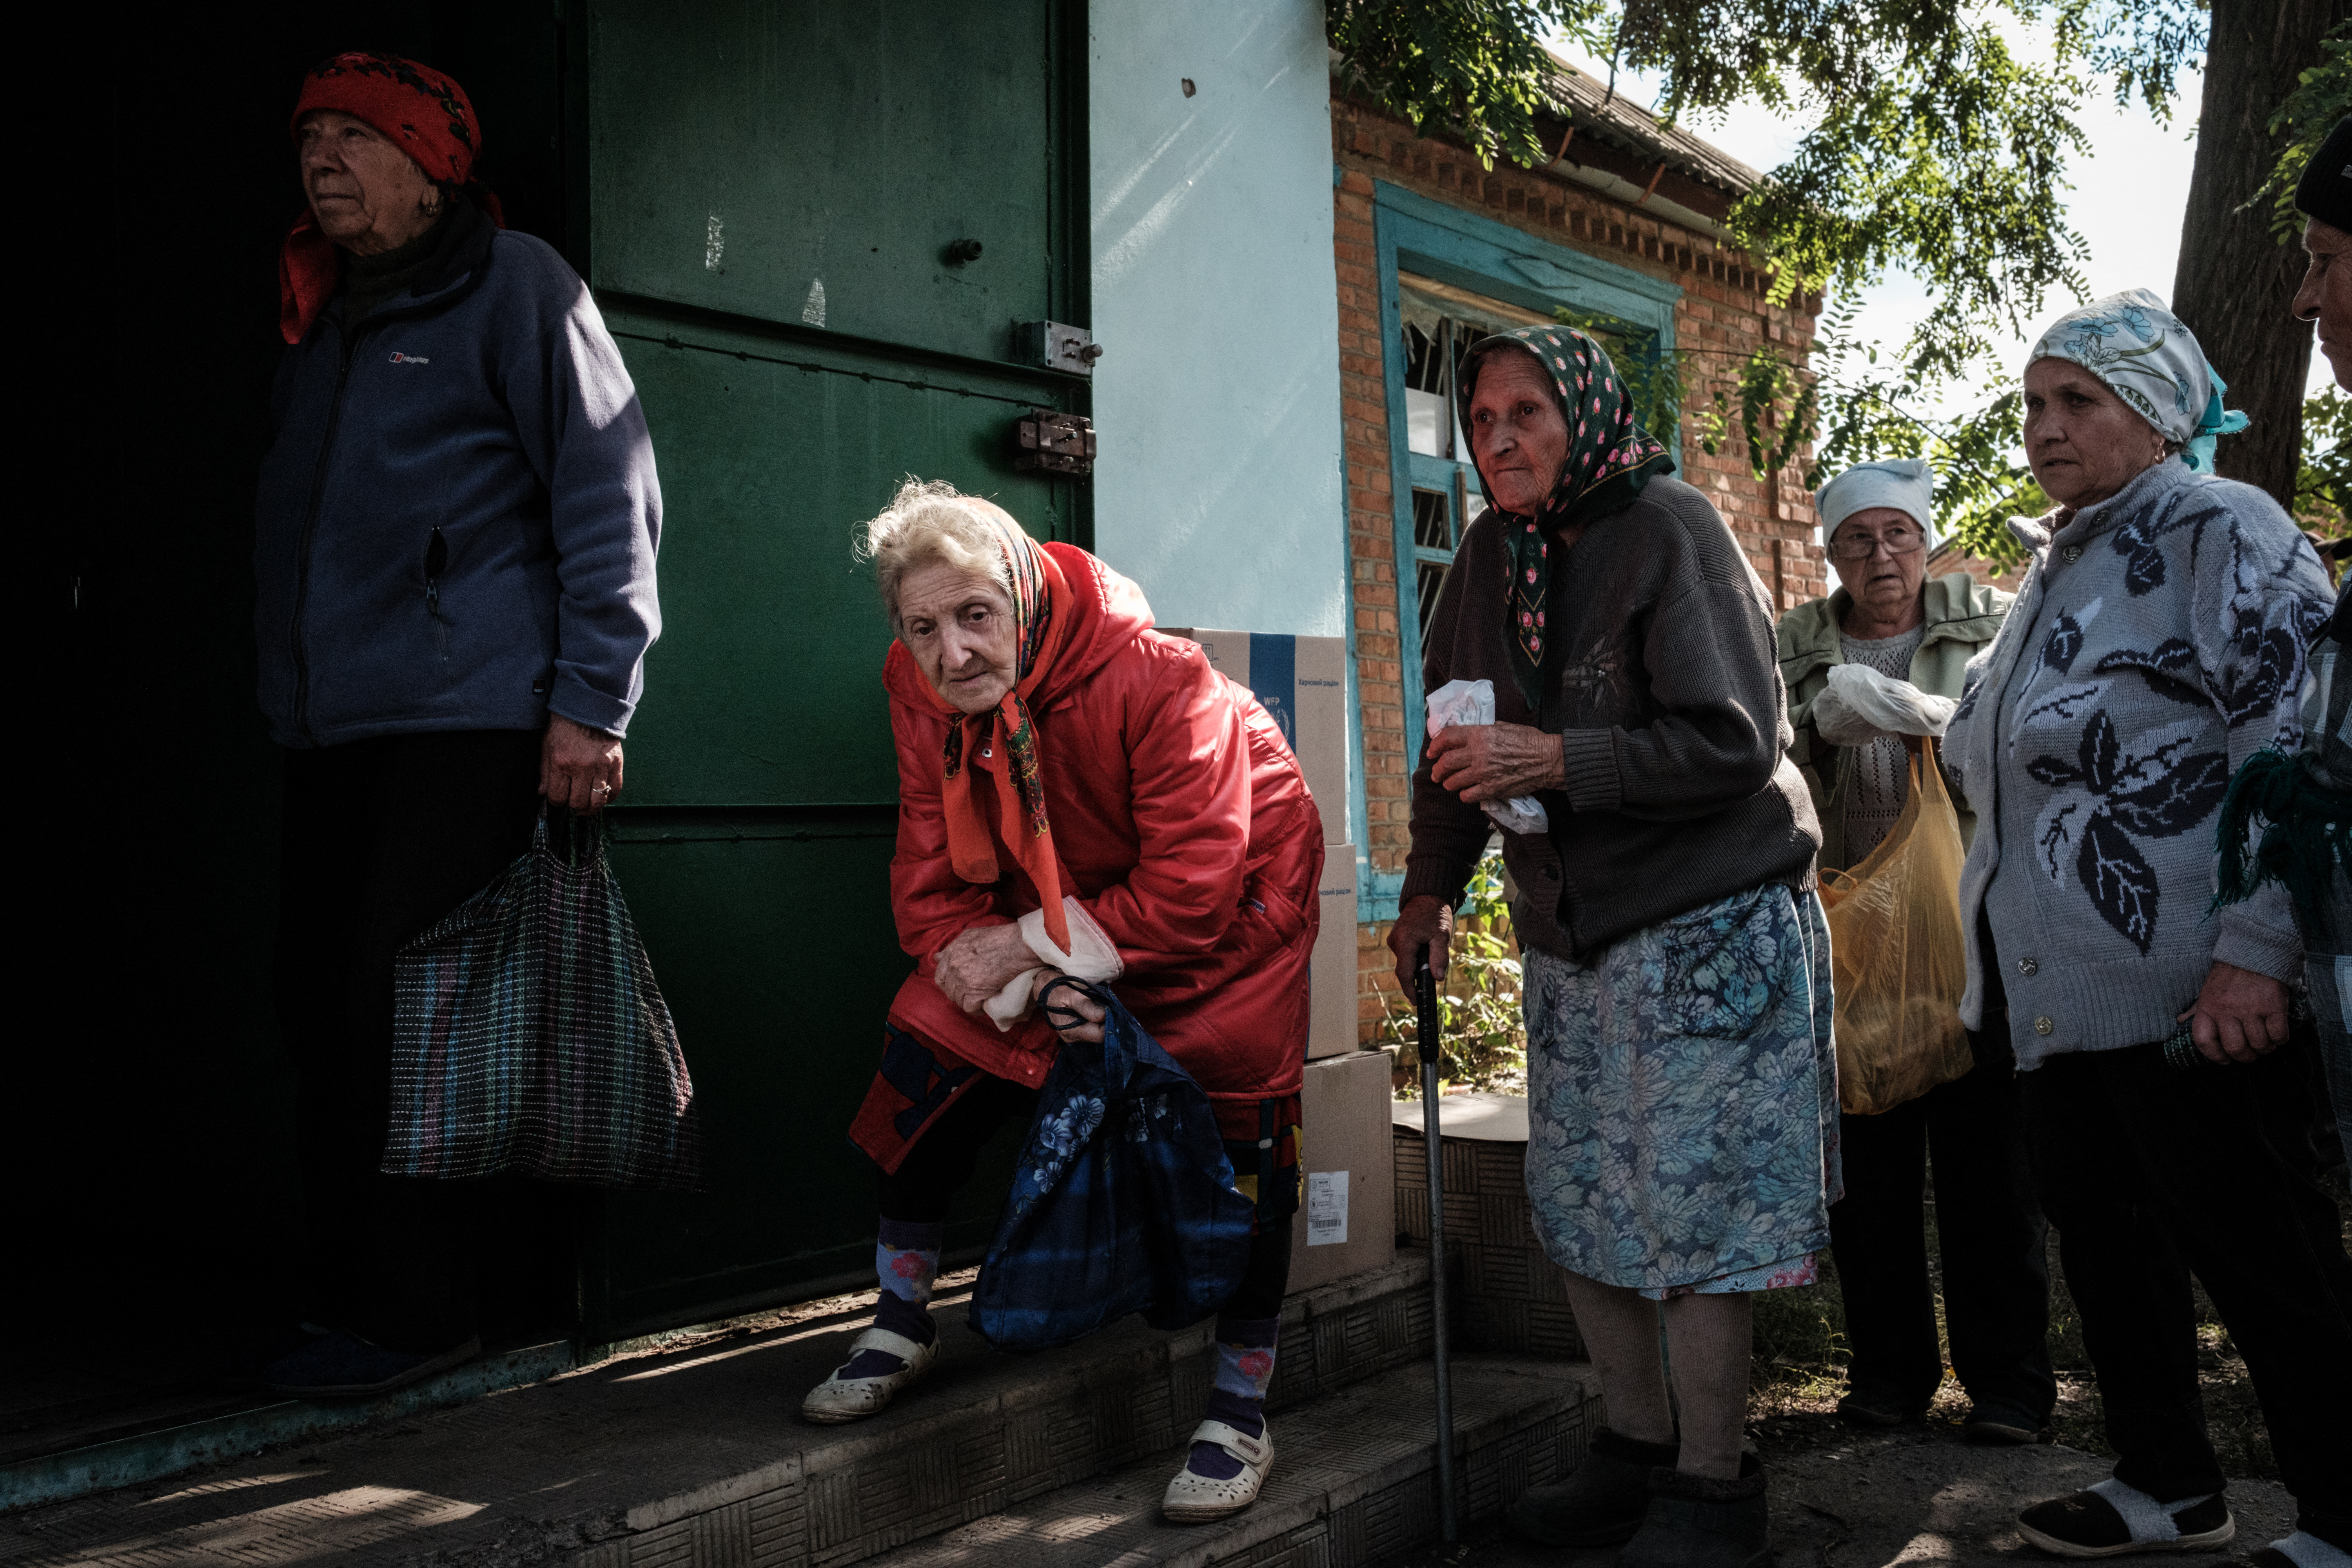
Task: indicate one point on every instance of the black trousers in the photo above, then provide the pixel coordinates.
(2151, 1173)
(1990, 1229)
(382, 839)
(941, 1163)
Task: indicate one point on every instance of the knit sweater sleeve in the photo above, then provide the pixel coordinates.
(2260, 597)
(1722, 727)
(1448, 833)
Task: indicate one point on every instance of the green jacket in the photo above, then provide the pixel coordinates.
(1963, 617)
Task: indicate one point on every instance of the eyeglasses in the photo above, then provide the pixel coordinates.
(1898, 541)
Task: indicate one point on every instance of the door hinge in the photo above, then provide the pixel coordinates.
(1050, 441)
(1053, 346)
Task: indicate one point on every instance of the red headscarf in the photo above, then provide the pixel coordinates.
(1042, 607)
(418, 109)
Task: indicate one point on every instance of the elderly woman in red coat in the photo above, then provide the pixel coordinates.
(1079, 794)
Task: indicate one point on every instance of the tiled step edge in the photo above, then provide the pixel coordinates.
(1516, 1424)
(854, 1497)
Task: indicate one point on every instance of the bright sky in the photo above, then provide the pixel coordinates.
(2127, 202)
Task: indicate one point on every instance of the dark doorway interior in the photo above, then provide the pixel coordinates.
(148, 1123)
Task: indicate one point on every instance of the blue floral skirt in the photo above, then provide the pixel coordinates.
(1681, 1101)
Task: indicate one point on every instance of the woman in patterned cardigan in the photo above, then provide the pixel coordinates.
(2158, 641)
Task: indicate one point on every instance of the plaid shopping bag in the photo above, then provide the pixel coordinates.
(1123, 1200)
(529, 1037)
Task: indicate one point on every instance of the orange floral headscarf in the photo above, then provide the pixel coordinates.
(1041, 620)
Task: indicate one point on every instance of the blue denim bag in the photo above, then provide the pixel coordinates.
(1123, 1200)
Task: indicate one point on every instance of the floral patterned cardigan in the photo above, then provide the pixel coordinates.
(2158, 641)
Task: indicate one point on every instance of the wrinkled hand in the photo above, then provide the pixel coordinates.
(578, 768)
(1424, 925)
(980, 962)
(1078, 1001)
(1495, 762)
(2239, 1017)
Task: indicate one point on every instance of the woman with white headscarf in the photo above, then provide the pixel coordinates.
(1911, 636)
(2158, 641)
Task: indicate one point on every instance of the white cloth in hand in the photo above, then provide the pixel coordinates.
(1859, 705)
(1473, 702)
(1092, 957)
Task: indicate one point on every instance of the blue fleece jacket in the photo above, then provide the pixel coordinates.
(457, 518)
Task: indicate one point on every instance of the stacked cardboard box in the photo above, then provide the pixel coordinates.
(1348, 1223)
(1302, 682)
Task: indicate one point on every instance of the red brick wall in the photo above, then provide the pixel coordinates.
(1723, 308)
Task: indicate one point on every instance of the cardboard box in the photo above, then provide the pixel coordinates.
(1346, 1223)
(1331, 977)
(1303, 683)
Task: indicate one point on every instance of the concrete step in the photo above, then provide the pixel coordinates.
(1354, 1481)
(706, 1443)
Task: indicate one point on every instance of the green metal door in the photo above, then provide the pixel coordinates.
(773, 191)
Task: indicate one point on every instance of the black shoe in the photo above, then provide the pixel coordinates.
(344, 1366)
(1601, 1502)
(1876, 1407)
(1699, 1521)
(2087, 1524)
(2003, 1426)
(247, 1363)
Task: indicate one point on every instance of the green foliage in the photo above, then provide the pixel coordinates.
(1762, 404)
(2322, 95)
(1485, 1032)
(1935, 150)
(1473, 69)
(2322, 489)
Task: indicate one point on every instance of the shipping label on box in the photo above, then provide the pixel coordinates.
(1302, 683)
(1347, 1224)
(1327, 1209)
(1331, 979)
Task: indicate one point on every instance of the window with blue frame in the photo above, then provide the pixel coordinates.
(1448, 278)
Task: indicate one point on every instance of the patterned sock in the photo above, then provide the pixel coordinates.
(907, 1258)
(1238, 1392)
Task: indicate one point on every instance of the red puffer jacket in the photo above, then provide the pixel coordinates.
(1182, 823)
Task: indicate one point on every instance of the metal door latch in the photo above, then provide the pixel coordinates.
(1053, 442)
(1056, 347)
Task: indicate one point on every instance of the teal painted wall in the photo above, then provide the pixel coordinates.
(1217, 397)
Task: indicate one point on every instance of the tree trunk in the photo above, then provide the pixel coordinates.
(2235, 279)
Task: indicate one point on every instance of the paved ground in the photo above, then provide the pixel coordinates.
(1914, 1496)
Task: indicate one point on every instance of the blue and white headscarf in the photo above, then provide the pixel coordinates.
(2151, 361)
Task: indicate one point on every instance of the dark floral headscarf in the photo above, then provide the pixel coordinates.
(1610, 458)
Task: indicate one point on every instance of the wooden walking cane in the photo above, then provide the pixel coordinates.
(1433, 1068)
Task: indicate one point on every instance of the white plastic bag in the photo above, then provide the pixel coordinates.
(1473, 702)
(1861, 705)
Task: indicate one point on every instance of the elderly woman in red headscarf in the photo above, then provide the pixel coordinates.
(1079, 795)
(454, 559)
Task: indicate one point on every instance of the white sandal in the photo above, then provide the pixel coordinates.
(1197, 1500)
(839, 1398)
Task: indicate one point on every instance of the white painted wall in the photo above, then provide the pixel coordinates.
(1217, 476)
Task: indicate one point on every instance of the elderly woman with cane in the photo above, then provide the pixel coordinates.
(1079, 794)
(1682, 1085)
(2158, 641)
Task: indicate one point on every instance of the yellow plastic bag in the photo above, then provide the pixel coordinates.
(1896, 957)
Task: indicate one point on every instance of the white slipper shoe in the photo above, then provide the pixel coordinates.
(1197, 1500)
(839, 1398)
